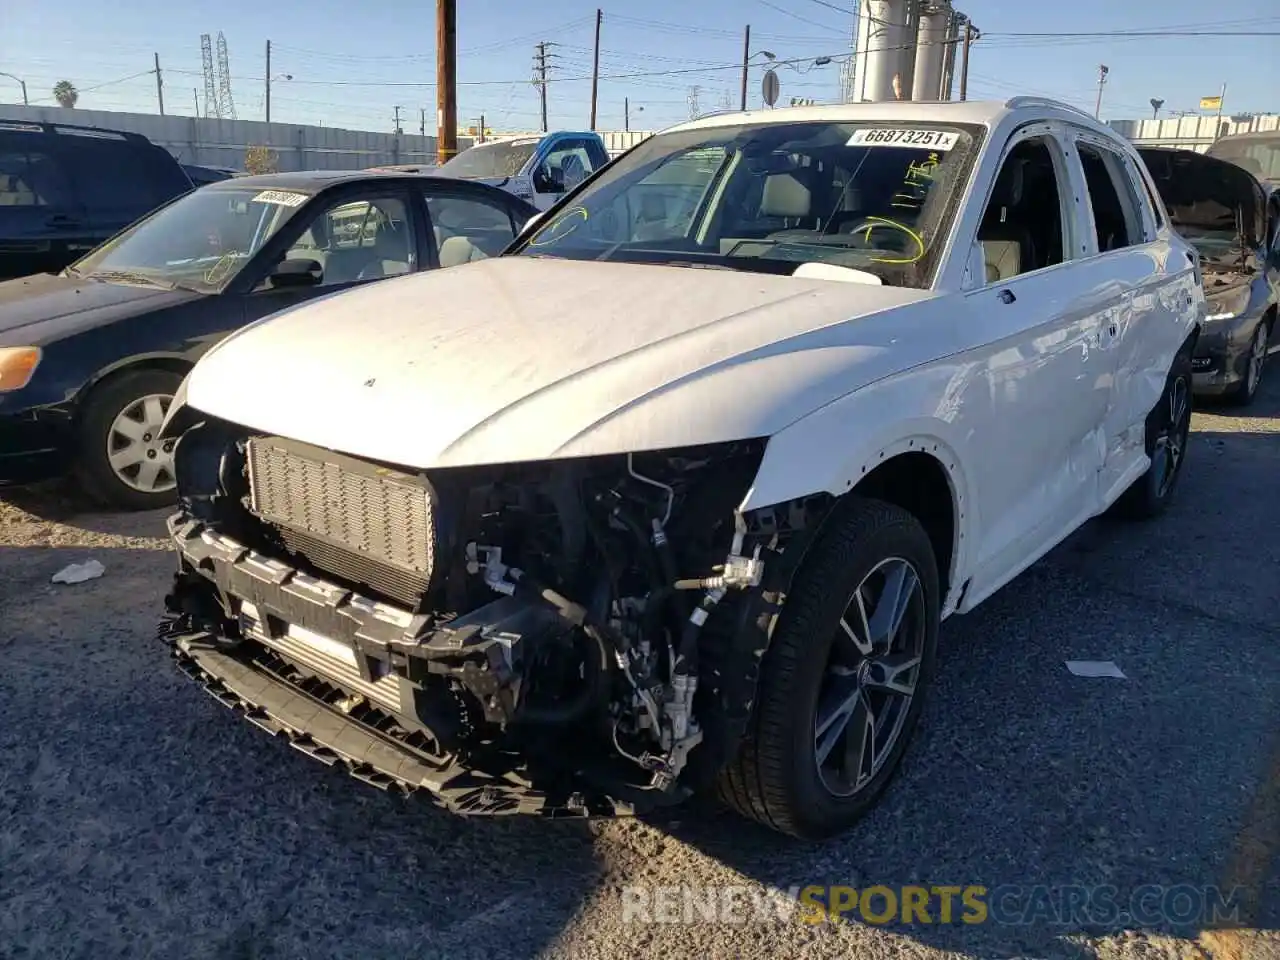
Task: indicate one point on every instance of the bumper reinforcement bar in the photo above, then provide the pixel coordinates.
(326, 735)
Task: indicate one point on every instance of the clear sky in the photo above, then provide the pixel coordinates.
(353, 63)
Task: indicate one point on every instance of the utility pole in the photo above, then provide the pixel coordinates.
(1217, 127)
(1103, 70)
(446, 80)
(396, 118)
(626, 114)
(746, 56)
(159, 85)
(540, 79)
(422, 121)
(195, 99)
(964, 62)
(482, 128)
(595, 70)
(268, 97)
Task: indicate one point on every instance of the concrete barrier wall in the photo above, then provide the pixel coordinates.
(1194, 132)
(222, 143)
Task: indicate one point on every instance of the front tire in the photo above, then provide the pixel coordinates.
(843, 681)
(1168, 432)
(122, 463)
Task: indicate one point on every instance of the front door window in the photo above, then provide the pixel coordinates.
(355, 240)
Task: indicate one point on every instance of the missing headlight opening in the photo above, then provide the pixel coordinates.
(564, 637)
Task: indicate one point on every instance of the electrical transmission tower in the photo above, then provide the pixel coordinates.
(226, 106)
(848, 69)
(694, 110)
(210, 92)
(541, 64)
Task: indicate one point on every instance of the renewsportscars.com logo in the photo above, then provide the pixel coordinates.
(1013, 905)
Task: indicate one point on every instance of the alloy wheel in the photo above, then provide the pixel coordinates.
(1257, 359)
(137, 455)
(871, 676)
(1171, 441)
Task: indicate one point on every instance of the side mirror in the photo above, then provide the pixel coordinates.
(296, 273)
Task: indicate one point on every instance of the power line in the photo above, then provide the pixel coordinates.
(99, 86)
(513, 41)
(832, 6)
(796, 16)
(1116, 34)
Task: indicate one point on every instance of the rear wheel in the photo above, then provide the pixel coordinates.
(1255, 363)
(1168, 432)
(843, 680)
(122, 461)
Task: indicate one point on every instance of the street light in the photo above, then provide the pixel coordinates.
(626, 113)
(22, 83)
(746, 63)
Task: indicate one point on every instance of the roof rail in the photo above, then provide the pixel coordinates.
(1029, 101)
(718, 113)
(70, 129)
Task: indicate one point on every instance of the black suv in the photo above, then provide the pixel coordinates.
(65, 189)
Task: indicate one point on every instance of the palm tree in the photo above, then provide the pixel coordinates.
(65, 92)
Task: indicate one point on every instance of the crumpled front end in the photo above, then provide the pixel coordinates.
(569, 638)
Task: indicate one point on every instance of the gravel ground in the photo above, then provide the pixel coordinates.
(138, 818)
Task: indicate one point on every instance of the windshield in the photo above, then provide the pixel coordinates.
(769, 196)
(487, 160)
(201, 241)
(1259, 155)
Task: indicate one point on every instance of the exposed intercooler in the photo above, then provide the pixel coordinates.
(356, 520)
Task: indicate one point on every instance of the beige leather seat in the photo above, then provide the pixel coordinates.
(390, 254)
(459, 250)
(1003, 258)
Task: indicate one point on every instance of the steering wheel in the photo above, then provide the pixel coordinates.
(905, 240)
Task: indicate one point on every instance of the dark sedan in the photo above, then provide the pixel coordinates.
(1222, 210)
(91, 357)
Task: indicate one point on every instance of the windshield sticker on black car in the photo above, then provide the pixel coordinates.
(895, 137)
(284, 198)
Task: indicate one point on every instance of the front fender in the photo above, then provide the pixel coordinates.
(833, 448)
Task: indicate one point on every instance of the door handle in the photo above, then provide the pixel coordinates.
(62, 220)
(1006, 296)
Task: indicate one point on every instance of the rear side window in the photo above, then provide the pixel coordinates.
(31, 178)
(125, 177)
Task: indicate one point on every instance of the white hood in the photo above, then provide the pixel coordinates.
(520, 358)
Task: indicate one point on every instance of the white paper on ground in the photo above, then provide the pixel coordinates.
(1095, 668)
(80, 572)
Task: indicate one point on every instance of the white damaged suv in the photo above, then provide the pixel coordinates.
(674, 494)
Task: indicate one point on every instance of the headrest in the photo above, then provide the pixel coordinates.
(1008, 188)
(785, 196)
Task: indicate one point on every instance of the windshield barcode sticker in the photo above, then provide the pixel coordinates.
(283, 197)
(897, 137)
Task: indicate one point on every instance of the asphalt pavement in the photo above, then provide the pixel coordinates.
(138, 818)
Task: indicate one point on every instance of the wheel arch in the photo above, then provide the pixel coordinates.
(169, 362)
(920, 472)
